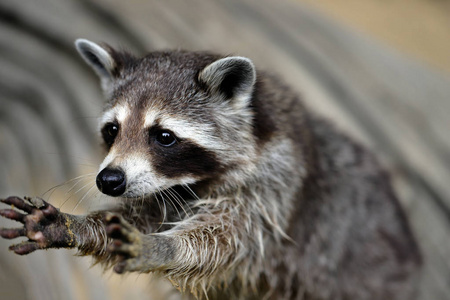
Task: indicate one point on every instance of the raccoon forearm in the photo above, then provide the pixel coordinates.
(89, 233)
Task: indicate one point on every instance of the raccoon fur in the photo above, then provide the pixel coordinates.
(229, 188)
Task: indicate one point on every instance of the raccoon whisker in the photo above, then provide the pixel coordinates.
(183, 203)
(168, 194)
(78, 181)
(142, 203)
(52, 189)
(80, 189)
(81, 177)
(82, 198)
(157, 202)
(96, 196)
(163, 211)
(190, 191)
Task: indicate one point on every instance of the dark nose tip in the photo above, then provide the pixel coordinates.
(111, 182)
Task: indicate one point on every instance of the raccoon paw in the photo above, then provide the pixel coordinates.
(44, 225)
(127, 244)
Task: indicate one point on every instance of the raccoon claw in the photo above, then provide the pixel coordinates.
(44, 225)
(126, 243)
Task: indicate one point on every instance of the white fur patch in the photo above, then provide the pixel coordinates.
(118, 112)
(150, 118)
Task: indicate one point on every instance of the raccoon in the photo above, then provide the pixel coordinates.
(229, 188)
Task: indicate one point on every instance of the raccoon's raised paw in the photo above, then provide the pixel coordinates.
(44, 225)
(127, 243)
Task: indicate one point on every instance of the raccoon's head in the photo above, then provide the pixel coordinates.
(172, 118)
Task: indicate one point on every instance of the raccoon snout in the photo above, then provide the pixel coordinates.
(111, 182)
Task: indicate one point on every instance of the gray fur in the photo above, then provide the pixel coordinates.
(282, 206)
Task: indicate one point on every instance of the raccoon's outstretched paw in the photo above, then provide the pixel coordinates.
(44, 225)
(127, 244)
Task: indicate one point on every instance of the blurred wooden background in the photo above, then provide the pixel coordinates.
(49, 102)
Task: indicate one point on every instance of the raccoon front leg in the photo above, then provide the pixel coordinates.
(134, 250)
(187, 256)
(46, 227)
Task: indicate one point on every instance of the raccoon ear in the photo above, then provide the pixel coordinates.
(233, 77)
(99, 59)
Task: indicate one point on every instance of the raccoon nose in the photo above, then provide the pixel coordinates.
(111, 182)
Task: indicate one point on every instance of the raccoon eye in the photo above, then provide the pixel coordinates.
(165, 138)
(109, 133)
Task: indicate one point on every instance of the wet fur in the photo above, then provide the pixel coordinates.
(268, 202)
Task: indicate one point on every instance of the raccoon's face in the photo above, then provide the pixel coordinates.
(154, 149)
(174, 118)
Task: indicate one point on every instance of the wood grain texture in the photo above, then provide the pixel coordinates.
(49, 101)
